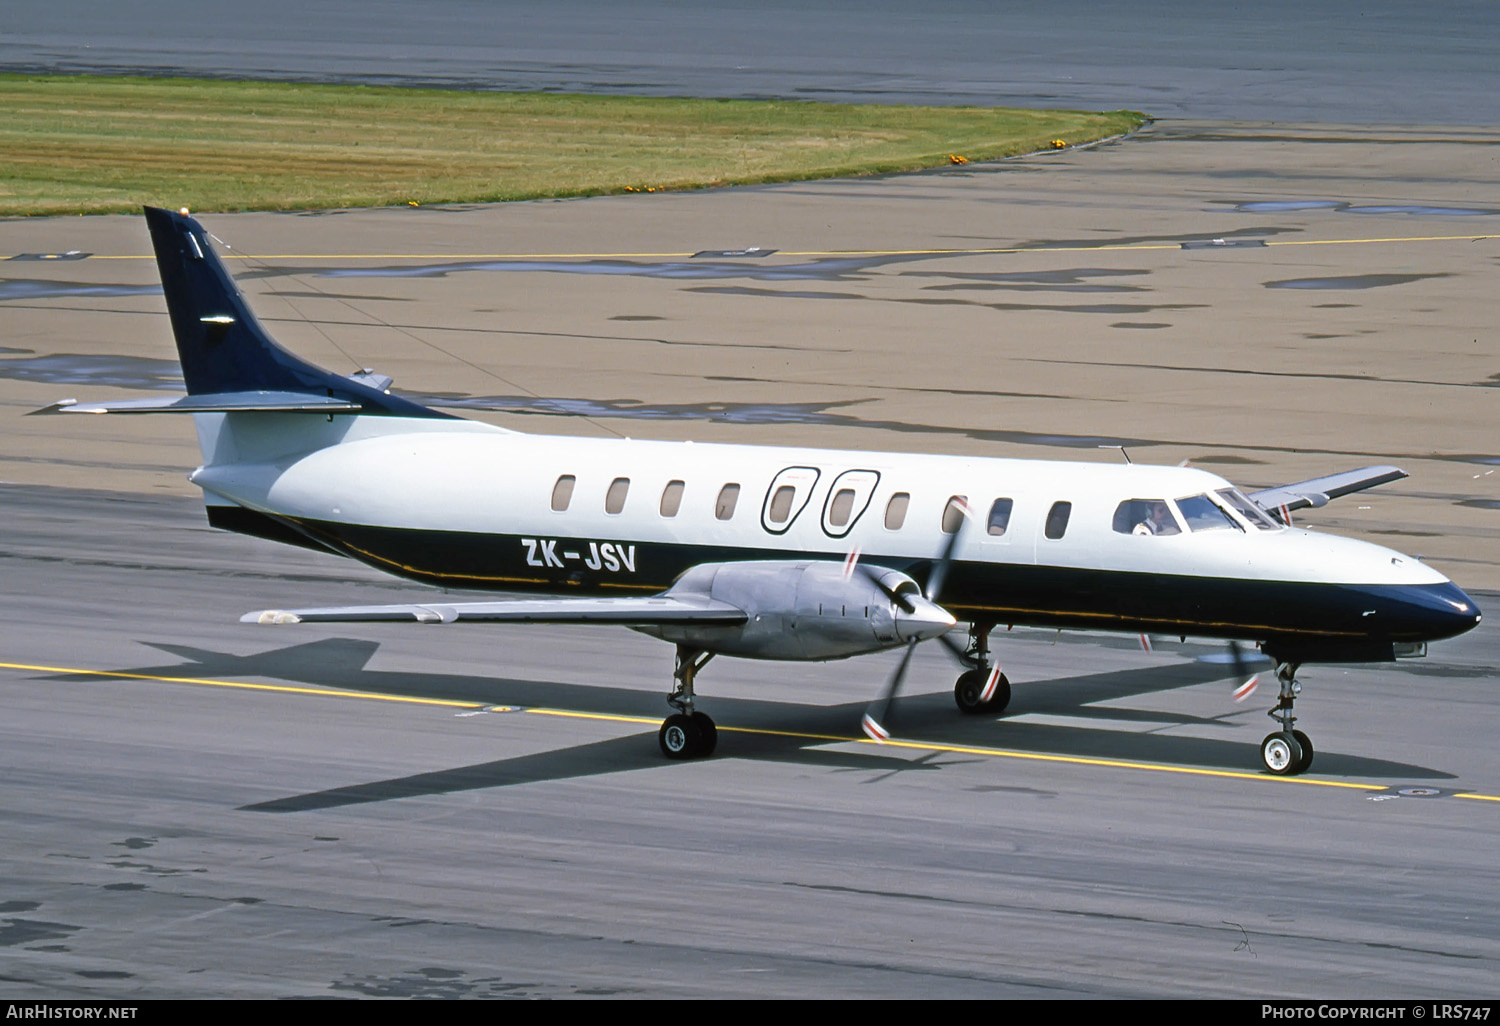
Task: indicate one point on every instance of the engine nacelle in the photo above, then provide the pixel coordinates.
(805, 610)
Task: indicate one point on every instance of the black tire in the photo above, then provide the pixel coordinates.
(1307, 750)
(970, 686)
(1281, 753)
(708, 734)
(679, 737)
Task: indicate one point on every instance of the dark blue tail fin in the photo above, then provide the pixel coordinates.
(223, 348)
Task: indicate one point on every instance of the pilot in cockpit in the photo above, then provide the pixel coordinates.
(1158, 520)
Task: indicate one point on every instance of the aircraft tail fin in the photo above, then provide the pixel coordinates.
(224, 350)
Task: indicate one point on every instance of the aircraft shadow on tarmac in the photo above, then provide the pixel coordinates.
(341, 663)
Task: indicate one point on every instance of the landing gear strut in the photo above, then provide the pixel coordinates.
(687, 734)
(1286, 752)
(983, 690)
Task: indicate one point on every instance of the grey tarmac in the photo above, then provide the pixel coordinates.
(191, 807)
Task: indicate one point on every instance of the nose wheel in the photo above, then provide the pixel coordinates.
(687, 733)
(1286, 752)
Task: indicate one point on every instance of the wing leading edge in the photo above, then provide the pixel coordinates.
(1318, 491)
(625, 612)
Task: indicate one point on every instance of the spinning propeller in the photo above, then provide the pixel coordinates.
(1245, 680)
(875, 716)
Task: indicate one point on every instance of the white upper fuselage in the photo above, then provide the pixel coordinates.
(462, 477)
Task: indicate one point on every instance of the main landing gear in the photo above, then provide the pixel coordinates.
(1286, 752)
(983, 690)
(687, 734)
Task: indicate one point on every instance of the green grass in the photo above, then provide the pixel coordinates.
(84, 144)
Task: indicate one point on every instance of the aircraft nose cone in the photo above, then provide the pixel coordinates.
(926, 620)
(1428, 612)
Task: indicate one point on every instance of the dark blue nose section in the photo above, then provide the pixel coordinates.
(1422, 612)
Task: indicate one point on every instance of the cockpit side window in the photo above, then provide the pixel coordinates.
(1203, 514)
(1145, 516)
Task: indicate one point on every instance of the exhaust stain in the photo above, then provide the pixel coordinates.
(15, 932)
(984, 393)
(1063, 280)
(745, 290)
(1140, 324)
(76, 369)
(1351, 282)
(852, 268)
(1148, 240)
(1265, 373)
(31, 288)
(1088, 308)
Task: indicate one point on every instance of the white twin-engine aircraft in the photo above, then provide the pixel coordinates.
(767, 553)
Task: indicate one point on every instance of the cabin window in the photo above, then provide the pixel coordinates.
(895, 511)
(1000, 516)
(671, 498)
(841, 506)
(1057, 520)
(729, 495)
(954, 513)
(614, 499)
(1203, 514)
(1145, 516)
(781, 504)
(562, 492)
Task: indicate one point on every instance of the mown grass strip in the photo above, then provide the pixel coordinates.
(85, 144)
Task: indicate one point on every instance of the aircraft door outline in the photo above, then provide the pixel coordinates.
(787, 497)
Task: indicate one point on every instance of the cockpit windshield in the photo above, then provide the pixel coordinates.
(1241, 504)
(1203, 514)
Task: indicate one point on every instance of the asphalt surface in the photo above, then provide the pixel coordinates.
(193, 807)
(174, 831)
(1340, 61)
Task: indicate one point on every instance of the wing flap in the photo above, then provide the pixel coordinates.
(1318, 491)
(626, 612)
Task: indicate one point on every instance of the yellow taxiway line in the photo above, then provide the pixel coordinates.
(923, 746)
(244, 686)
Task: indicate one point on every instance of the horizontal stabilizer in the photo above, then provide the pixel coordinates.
(1318, 491)
(627, 612)
(217, 402)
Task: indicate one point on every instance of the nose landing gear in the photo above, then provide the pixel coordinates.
(1286, 752)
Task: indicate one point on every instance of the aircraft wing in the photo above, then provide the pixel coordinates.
(1320, 490)
(629, 612)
